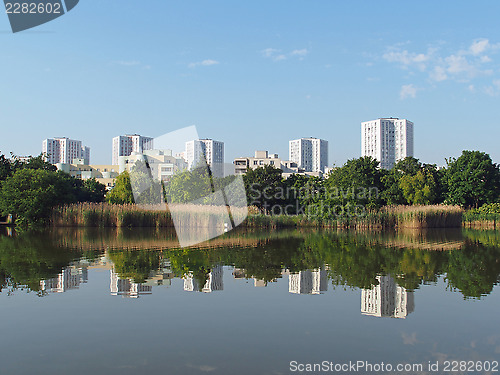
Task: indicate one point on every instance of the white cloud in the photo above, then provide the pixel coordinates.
(438, 74)
(277, 54)
(407, 59)
(203, 63)
(408, 91)
(479, 46)
(131, 63)
(299, 52)
(466, 65)
(127, 63)
(269, 52)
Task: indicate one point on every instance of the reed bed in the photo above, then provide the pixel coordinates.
(110, 215)
(483, 220)
(121, 216)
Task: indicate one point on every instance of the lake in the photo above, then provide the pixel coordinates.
(250, 302)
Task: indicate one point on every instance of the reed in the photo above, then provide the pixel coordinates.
(109, 215)
(129, 215)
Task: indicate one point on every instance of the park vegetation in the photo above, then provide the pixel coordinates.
(357, 194)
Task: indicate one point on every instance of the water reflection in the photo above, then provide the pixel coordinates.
(387, 299)
(213, 281)
(387, 267)
(308, 282)
(69, 278)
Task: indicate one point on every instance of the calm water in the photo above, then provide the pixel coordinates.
(129, 302)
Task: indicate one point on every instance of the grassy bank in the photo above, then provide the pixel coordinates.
(120, 216)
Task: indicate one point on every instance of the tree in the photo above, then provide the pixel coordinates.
(264, 187)
(92, 191)
(5, 167)
(420, 188)
(357, 183)
(30, 194)
(122, 191)
(472, 179)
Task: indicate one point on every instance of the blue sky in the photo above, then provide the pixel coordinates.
(255, 74)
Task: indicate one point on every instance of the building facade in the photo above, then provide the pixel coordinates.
(261, 159)
(64, 150)
(310, 154)
(161, 163)
(105, 174)
(125, 145)
(210, 150)
(387, 140)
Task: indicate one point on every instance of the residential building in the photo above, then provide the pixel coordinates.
(262, 158)
(310, 154)
(387, 140)
(210, 150)
(387, 299)
(64, 150)
(105, 174)
(125, 145)
(161, 163)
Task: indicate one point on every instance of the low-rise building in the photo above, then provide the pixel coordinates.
(105, 174)
(161, 163)
(261, 159)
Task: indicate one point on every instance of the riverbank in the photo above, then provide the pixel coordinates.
(120, 216)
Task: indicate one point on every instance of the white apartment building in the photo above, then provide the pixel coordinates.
(64, 150)
(310, 154)
(387, 140)
(212, 151)
(387, 299)
(125, 145)
(261, 159)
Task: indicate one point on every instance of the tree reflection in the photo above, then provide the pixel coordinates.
(471, 263)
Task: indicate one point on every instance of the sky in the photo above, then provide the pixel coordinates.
(255, 74)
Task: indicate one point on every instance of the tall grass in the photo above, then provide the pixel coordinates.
(121, 216)
(109, 215)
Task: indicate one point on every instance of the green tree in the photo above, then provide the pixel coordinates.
(265, 188)
(420, 188)
(472, 179)
(5, 167)
(122, 191)
(357, 183)
(30, 194)
(92, 191)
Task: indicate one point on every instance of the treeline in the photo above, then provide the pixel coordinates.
(360, 186)
(29, 190)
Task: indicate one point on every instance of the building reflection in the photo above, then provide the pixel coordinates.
(387, 299)
(69, 278)
(308, 282)
(214, 282)
(127, 287)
